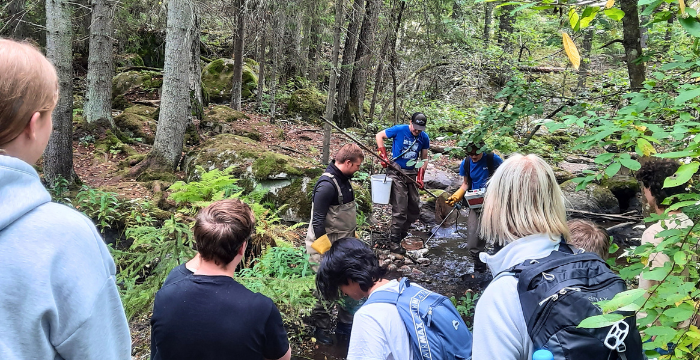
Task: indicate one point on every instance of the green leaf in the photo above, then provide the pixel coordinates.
(645, 2)
(631, 164)
(615, 14)
(691, 25)
(600, 321)
(664, 334)
(682, 175)
(646, 147)
(573, 19)
(611, 170)
(687, 95)
(680, 258)
(681, 204)
(523, 7)
(604, 158)
(613, 248)
(622, 299)
(657, 274)
(678, 154)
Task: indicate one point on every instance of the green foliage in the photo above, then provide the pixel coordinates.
(101, 206)
(466, 304)
(59, 190)
(145, 265)
(214, 185)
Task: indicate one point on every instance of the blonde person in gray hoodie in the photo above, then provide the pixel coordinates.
(523, 210)
(58, 297)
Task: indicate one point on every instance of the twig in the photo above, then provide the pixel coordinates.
(289, 149)
(604, 216)
(619, 226)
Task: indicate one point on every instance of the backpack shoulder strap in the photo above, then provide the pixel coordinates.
(387, 297)
(489, 163)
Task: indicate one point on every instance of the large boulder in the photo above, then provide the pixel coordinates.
(220, 120)
(625, 188)
(288, 180)
(438, 179)
(594, 198)
(136, 127)
(217, 80)
(132, 83)
(308, 103)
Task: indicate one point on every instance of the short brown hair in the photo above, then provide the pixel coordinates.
(221, 229)
(589, 237)
(28, 84)
(350, 152)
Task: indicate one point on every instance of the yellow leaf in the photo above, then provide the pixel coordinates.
(610, 4)
(571, 51)
(681, 5)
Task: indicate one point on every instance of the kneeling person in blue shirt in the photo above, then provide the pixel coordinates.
(476, 169)
(208, 315)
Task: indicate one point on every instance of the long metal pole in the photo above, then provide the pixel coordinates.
(365, 148)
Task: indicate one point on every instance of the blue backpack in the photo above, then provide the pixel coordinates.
(436, 329)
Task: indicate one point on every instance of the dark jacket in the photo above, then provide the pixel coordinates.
(325, 195)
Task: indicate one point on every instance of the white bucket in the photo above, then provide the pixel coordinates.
(381, 189)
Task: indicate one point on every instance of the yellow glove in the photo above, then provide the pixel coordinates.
(457, 196)
(321, 244)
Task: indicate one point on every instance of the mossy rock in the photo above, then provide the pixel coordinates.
(111, 142)
(248, 160)
(624, 187)
(127, 60)
(217, 80)
(131, 161)
(129, 81)
(308, 103)
(562, 175)
(594, 198)
(143, 110)
(136, 126)
(297, 196)
(223, 113)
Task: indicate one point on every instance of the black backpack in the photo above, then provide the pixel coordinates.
(489, 165)
(558, 292)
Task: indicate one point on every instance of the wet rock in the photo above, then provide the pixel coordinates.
(424, 261)
(575, 169)
(217, 80)
(398, 262)
(391, 267)
(438, 179)
(408, 262)
(405, 269)
(412, 243)
(625, 188)
(307, 103)
(593, 198)
(386, 262)
(416, 272)
(398, 257)
(417, 254)
(391, 257)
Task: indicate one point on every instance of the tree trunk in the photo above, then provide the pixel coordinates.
(238, 56)
(349, 51)
(195, 85)
(314, 43)
(586, 57)
(632, 44)
(261, 66)
(58, 157)
(175, 99)
(506, 21)
(353, 109)
(292, 47)
(277, 42)
(669, 32)
(98, 99)
(488, 18)
(15, 26)
(339, 7)
(394, 59)
(378, 79)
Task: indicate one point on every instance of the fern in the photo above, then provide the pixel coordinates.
(213, 185)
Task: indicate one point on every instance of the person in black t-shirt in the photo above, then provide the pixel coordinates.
(208, 315)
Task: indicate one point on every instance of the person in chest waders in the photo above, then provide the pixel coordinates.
(333, 217)
(477, 168)
(410, 144)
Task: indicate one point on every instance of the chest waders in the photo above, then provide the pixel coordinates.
(341, 222)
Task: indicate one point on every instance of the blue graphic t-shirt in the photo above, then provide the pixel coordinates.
(403, 139)
(479, 171)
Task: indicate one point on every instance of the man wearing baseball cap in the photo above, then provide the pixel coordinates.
(410, 143)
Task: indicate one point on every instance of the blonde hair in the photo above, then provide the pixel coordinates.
(589, 237)
(28, 84)
(522, 199)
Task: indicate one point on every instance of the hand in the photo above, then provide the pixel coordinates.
(385, 159)
(456, 197)
(419, 179)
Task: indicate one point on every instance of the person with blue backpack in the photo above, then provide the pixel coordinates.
(542, 290)
(400, 320)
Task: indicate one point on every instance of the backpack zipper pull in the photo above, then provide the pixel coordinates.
(430, 315)
(555, 296)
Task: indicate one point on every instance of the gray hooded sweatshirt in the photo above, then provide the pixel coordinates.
(58, 296)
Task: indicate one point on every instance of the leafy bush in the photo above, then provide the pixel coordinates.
(101, 206)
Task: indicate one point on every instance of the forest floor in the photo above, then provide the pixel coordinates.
(300, 138)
